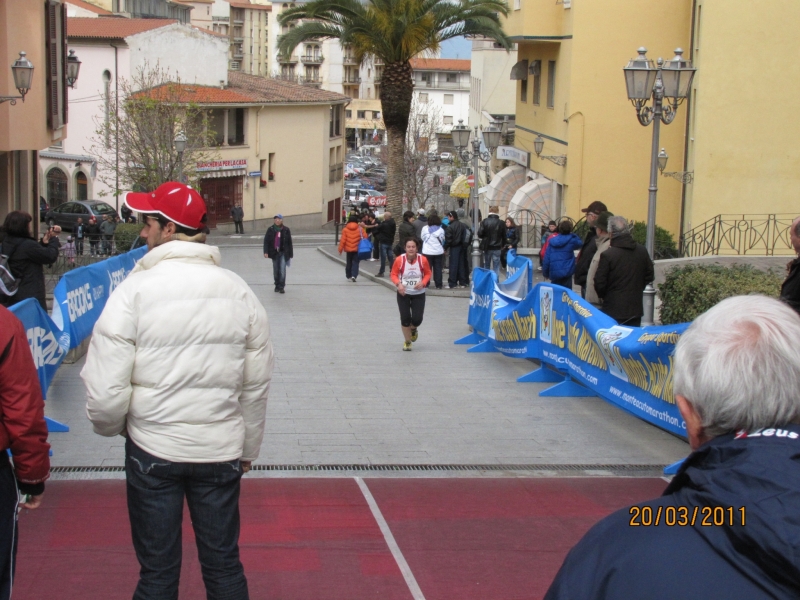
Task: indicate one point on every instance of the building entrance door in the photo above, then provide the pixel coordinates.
(220, 195)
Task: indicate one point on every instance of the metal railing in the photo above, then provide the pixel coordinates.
(530, 225)
(735, 234)
(93, 252)
(312, 59)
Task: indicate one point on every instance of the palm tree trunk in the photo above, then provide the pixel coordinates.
(397, 90)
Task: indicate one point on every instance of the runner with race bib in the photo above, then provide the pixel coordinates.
(410, 274)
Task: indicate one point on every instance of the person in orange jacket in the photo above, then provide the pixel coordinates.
(410, 274)
(352, 234)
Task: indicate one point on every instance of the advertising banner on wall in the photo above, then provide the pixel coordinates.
(81, 295)
(627, 366)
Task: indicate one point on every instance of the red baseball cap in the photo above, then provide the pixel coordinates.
(172, 200)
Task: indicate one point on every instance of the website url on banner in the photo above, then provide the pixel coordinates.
(646, 408)
(590, 378)
(512, 350)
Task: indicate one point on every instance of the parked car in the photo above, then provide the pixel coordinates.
(433, 157)
(356, 197)
(446, 157)
(67, 214)
(43, 208)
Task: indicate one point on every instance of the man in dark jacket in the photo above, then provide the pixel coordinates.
(420, 222)
(790, 290)
(27, 257)
(93, 235)
(589, 245)
(24, 432)
(278, 247)
(726, 526)
(623, 272)
(492, 234)
(407, 231)
(237, 214)
(384, 236)
(454, 239)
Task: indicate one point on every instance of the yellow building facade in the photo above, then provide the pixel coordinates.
(573, 95)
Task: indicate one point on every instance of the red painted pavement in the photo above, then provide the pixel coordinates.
(316, 539)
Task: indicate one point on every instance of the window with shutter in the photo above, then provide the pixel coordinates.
(56, 43)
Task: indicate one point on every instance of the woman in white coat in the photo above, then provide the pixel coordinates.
(433, 247)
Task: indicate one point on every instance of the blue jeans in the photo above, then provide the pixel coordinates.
(156, 490)
(386, 251)
(351, 267)
(458, 267)
(491, 260)
(279, 270)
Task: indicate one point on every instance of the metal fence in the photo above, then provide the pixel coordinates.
(530, 227)
(65, 263)
(734, 234)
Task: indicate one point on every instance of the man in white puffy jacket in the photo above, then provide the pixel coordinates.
(180, 363)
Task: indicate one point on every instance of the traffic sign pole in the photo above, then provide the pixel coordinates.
(256, 175)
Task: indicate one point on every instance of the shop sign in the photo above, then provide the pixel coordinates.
(221, 165)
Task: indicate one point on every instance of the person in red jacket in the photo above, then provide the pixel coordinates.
(410, 274)
(24, 432)
(352, 234)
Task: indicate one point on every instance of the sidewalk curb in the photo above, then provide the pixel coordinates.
(387, 282)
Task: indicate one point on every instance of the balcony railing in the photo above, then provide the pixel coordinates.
(312, 81)
(238, 39)
(349, 60)
(312, 59)
(287, 60)
(238, 54)
(352, 80)
(442, 85)
(220, 19)
(336, 173)
(764, 235)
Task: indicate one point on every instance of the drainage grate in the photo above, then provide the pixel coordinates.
(411, 468)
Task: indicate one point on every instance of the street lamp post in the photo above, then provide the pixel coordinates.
(491, 137)
(180, 148)
(22, 70)
(646, 81)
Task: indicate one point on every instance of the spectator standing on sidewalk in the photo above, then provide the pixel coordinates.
(419, 223)
(107, 228)
(68, 250)
(237, 214)
(278, 247)
(552, 229)
(559, 259)
(93, 234)
(623, 272)
(180, 364)
(603, 241)
(790, 290)
(410, 275)
(27, 257)
(22, 431)
(589, 246)
(458, 276)
(433, 247)
(352, 234)
(407, 232)
(385, 238)
(80, 233)
(511, 242)
(370, 225)
(492, 234)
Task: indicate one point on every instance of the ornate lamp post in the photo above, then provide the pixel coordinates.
(491, 138)
(180, 148)
(73, 68)
(22, 69)
(649, 82)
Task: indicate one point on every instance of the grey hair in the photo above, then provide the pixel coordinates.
(796, 226)
(739, 365)
(617, 226)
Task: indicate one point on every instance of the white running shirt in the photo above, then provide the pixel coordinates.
(412, 275)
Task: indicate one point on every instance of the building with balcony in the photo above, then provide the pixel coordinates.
(364, 123)
(492, 91)
(443, 84)
(36, 28)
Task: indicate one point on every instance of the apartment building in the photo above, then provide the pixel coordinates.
(444, 84)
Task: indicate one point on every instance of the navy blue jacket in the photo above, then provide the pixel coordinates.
(559, 260)
(759, 558)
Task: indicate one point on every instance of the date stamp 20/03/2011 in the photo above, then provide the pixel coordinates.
(686, 516)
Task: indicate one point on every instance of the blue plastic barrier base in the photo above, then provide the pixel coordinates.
(55, 426)
(541, 375)
(673, 468)
(471, 339)
(567, 389)
(484, 346)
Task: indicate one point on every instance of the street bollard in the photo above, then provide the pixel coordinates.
(336, 237)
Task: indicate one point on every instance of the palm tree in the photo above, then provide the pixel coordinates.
(394, 31)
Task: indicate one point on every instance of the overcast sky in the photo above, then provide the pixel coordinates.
(457, 48)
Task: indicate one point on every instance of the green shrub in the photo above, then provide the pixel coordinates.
(126, 234)
(664, 243)
(691, 290)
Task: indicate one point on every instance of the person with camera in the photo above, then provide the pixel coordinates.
(27, 256)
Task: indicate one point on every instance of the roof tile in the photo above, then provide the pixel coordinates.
(111, 28)
(440, 64)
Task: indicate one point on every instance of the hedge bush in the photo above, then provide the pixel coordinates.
(126, 234)
(665, 243)
(691, 290)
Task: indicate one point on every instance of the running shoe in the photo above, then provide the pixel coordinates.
(406, 346)
(353, 279)
(414, 335)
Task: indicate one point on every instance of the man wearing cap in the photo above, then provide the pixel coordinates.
(420, 222)
(278, 247)
(589, 245)
(179, 364)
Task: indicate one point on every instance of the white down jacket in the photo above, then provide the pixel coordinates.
(181, 357)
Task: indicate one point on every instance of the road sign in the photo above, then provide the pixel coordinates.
(254, 174)
(471, 180)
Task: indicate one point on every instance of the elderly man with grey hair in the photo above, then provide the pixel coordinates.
(624, 270)
(727, 525)
(790, 290)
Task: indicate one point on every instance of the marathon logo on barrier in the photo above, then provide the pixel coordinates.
(115, 278)
(44, 347)
(79, 302)
(479, 301)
